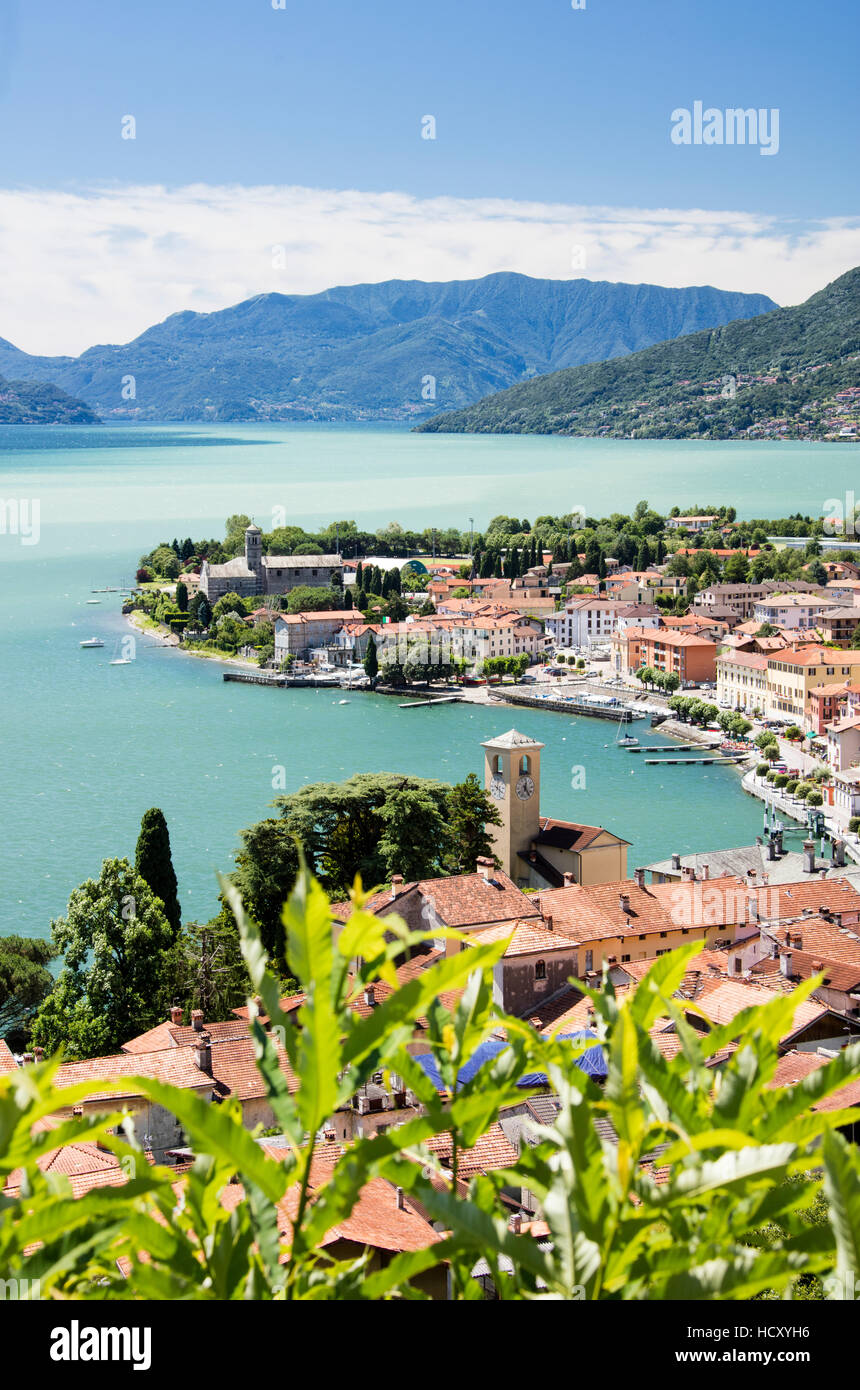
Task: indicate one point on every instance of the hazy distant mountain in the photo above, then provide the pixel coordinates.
(370, 351)
(40, 403)
(792, 372)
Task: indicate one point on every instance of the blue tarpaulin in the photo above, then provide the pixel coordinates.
(592, 1061)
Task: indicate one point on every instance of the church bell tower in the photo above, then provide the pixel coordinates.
(512, 778)
(254, 554)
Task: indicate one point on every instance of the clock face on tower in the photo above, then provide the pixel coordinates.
(498, 788)
(525, 788)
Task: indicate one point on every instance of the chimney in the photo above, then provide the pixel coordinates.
(39, 1054)
(370, 997)
(798, 941)
(203, 1052)
(547, 921)
(676, 861)
(176, 1015)
(624, 902)
(785, 963)
(485, 868)
(706, 871)
(401, 1200)
(569, 879)
(839, 853)
(817, 965)
(688, 873)
(771, 850)
(78, 1112)
(27, 1059)
(197, 1020)
(639, 875)
(823, 873)
(396, 884)
(809, 852)
(516, 1223)
(752, 907)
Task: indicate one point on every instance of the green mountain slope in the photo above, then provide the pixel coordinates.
(375, 351)
(790, 373)
(40, 403)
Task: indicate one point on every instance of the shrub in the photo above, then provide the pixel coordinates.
(854, 825)
(781, 779)
(722, 1223)
(770, 775)
(762, 770)
(803, 789)
(814, 798)
(791, 786)
(143, 576)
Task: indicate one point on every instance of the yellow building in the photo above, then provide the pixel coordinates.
(539, 851)
(793, 673)
(742, 680)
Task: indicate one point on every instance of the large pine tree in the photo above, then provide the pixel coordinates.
(154, 863)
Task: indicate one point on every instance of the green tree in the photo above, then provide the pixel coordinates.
(115, 942)
(470, 811)
(210, 971)
(154, 863)
(24, 979)
(182, 596)
(371, 660)
(414, 829)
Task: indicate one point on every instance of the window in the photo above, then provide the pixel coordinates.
(540, 969)
(589, 962)
(624, 958)
(663, 934)
(497, 763)
(524, 764)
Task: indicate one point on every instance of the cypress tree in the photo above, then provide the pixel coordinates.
(359, 575)
(154, 863)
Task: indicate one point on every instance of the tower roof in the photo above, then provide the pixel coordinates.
(512, 739)
(253, 528)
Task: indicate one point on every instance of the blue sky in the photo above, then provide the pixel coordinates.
(535, 104)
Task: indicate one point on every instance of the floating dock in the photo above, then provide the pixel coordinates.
(726, 759)
(671, 747)
(439, 700)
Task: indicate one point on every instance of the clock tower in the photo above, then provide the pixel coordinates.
(512, 778)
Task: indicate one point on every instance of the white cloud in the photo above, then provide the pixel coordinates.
(102, 265)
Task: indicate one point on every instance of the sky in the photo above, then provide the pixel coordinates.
(282, 145)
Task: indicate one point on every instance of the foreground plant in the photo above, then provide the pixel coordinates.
(737, 1160)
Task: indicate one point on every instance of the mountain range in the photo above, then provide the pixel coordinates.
(790, 373)
(395, 350)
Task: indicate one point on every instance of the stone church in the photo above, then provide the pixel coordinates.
(256, 573)
(539, 851)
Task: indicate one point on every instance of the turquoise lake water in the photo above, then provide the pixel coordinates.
(87, 747)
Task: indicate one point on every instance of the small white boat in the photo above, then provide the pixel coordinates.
(120, 661)
(92, 642)
(343, 702)
(628, 742)
(93, 600)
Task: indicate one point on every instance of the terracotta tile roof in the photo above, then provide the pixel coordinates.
(529, 938)
(463, 900)
(7, 1059)
(153, 1040)
(376, 1221)
(722, 1000)
(794, 1066)
(176, 1066)
(566, 834)
(492, 1150)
